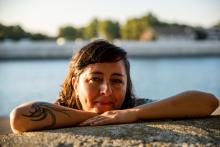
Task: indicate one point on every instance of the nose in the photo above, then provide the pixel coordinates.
(106, 89)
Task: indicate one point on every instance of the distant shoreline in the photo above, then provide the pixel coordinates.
(165, 48)
(130, 56)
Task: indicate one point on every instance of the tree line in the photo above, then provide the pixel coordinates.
(109, 29)
(16, 33)
(133, 29)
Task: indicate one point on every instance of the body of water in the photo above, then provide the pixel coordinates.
(155, 78)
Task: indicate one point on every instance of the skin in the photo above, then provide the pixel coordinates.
(189, 104)
(100, 94)
(101, 89)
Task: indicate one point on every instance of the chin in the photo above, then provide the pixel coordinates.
(102, 110)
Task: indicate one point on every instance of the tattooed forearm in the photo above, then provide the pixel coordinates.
(41, 110)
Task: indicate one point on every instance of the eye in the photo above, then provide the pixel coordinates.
(117, 81)
(95, 79)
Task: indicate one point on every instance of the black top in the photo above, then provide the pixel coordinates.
(141, 101)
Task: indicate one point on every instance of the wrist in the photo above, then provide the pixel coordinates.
(136, 113)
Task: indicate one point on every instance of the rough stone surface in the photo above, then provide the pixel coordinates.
(187, 132)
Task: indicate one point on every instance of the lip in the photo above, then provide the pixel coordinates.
(105, 103)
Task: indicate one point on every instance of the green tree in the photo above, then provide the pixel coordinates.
(109, 29)
(16, 33)
(81, 33)
(12, 32)
(134, 28)
(68, 32)
(2, 32)
(217, 25)
(91, 31)
(150, 19)
(38, 36)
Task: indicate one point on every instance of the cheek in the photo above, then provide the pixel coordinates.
(87, 93)
(119, 94)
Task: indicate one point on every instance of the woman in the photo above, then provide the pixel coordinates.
(98, 90)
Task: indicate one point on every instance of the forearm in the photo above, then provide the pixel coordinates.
(183, 105)
(40, 115)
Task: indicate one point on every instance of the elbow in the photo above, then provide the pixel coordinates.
(16, 121)
(213, 102)
(210, 101)
(207, 100)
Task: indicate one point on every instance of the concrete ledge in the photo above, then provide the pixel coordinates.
(196, 132)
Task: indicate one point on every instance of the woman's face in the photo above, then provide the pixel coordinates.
(102, 86)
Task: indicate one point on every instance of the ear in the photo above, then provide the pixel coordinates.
(74, 83)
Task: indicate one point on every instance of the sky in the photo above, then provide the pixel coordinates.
(46, 16)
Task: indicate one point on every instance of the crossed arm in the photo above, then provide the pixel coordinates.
(41, 115)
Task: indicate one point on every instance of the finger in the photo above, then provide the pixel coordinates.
(95, 122)
(92, 120)
(101, 122)
(86, 122)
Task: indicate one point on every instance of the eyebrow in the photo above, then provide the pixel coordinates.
(100, 73)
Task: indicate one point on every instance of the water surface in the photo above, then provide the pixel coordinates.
(154, 78)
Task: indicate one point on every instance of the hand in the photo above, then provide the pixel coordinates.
(113, 117)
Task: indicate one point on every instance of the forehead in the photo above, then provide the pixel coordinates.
(112, 67)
